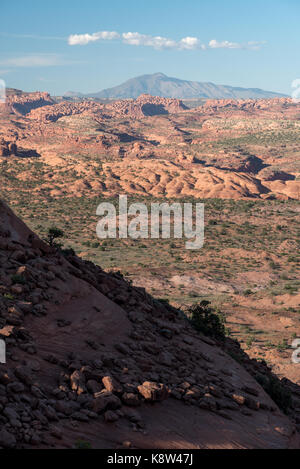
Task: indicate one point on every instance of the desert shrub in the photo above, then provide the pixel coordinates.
(250, 340)
(53, 234)
(18, 279)
(276, 390)
(8, 296)
(81, 444)
(68, 252)
(164, 301)
(283, 345)
(206, 320)
(292, 259)
(291, 288)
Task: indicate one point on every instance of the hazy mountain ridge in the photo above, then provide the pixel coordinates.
(159, 84)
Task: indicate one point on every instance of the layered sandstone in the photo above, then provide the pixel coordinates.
(222, 149)
(25, 102)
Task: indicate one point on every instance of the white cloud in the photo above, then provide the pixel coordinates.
(190, 43)
(84, 39)
(158, 42)
(255, 45)
(39, 60)
(214, 44)
(137, 39)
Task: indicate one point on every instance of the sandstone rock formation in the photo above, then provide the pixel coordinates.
(145, 105)
(25, 102)
(55, 112)
(154, 145)
(8, 148)
(248, 104)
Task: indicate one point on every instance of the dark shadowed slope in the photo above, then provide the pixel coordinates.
(91, 358)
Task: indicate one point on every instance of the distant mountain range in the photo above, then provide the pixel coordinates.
(159, 84)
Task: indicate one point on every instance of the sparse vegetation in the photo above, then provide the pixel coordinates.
(81, 444)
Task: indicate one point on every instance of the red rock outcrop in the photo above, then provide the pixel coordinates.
(263, 107)
(146, 105)
(166, 133)
(8, 148)
(55, 112)
(23, 103)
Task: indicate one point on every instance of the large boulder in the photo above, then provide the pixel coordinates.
(153, 391)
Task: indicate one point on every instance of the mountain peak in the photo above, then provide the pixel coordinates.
(159, 84)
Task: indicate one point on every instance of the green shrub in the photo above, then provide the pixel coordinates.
(8, 296)
(53, 234)
(81, 444)
(68, 252)
(276, 390)
(206, 320)
(18, 279)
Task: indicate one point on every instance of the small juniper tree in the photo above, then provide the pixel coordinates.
(206, 320)
(54, 234)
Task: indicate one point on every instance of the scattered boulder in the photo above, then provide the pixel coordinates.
(153, 392)
(105, 400)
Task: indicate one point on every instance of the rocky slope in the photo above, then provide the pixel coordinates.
(91, 358)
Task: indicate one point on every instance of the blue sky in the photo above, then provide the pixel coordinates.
(60, 45)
